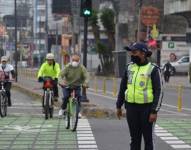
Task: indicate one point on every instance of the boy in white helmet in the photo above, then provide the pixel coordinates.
(9, 74)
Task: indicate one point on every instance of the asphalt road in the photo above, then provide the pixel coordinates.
(177, 124)
(111, 133)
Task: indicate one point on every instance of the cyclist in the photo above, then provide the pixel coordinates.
(9, 73)
(50, 69)
(73, 75)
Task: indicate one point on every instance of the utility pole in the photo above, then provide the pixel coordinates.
(85, 11)
(84, 95)
(16, 41)
(85, 41)
(139, 20)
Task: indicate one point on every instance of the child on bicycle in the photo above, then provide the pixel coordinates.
(74, 75)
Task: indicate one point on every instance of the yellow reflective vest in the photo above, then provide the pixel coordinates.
(49, 70)
(139, 85)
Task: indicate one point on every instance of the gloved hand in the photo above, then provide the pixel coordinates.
(40, 79)
(56, 79)
(119, 113)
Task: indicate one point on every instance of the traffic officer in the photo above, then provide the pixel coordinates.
(141, 91)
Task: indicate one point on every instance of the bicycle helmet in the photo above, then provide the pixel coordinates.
(50, 56)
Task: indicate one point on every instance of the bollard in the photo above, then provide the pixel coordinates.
(180, 89)
(104, 86)
(95, 84)
(114, 87)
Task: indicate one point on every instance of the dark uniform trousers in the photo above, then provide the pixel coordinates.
(139, 125)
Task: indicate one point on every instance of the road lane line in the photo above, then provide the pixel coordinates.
(170, 139)
(181, 146)
(85, 136)
(171, 106)
(92, 91)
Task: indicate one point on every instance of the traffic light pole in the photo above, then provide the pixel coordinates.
(85, 41)
(16, 59)
(84, 96)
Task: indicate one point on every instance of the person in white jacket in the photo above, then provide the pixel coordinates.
(7, 74)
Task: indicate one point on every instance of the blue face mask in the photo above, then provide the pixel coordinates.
(3, 66)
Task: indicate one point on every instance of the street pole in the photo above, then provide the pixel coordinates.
(16, 41)
(84, 96)
(85, 41)
(139, 21)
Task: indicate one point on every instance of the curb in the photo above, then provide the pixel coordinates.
(88, 109)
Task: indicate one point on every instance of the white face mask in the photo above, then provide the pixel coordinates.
(75, 64)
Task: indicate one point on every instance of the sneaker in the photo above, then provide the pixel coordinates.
(61, 112)
(79, 115)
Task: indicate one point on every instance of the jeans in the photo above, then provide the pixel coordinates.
(67, 93)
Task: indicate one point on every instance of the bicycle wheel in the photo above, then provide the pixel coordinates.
(46, 106)
(67, 117)
(3, 104)
(74, 105)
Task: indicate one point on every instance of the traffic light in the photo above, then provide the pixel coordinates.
(86, 8)
(62, 7)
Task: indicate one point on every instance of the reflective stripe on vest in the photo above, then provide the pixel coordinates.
(139, 85)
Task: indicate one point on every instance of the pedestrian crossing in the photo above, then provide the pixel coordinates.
(170, 139)
(85, 137)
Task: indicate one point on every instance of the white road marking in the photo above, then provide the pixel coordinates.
(170, 139)
(92, 92)
(85, 137)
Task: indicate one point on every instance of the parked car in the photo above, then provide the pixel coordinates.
(181, 65)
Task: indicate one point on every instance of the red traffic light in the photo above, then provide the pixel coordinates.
(152, 43)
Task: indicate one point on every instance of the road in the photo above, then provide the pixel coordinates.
(173, 128)
(25, 126)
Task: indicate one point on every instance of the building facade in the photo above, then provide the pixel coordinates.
(40, 28)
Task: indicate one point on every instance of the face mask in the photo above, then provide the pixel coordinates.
(136, 59)
(75, 64)
(3, 66)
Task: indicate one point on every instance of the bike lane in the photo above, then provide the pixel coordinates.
(25, 128)
(32, 132)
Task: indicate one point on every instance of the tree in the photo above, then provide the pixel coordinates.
(104, 49)
(107, 19)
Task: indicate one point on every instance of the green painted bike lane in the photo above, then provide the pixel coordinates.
(178, 127)
(17, 133)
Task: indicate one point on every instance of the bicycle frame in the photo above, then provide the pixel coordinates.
(3, 94)
(73, 109)
(48, 97)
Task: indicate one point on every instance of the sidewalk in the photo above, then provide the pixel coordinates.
(176, 81)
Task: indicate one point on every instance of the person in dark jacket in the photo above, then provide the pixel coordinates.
(167, 69)
(141, 91)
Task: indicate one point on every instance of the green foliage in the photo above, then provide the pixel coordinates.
(107, 19)
(93, 20)
(104, 49)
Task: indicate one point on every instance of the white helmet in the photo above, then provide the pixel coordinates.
(4, 58)
(50, 56)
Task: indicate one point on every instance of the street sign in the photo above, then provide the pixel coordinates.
(150, 15)
(171, 45)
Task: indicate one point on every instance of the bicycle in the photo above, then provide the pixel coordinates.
(48, 95)
(3, 100)
(72, 110)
